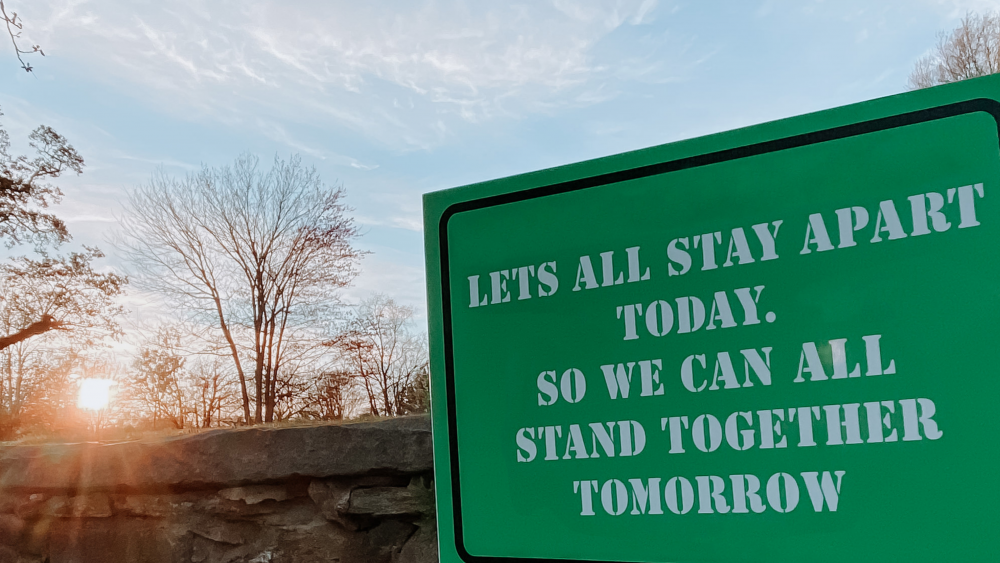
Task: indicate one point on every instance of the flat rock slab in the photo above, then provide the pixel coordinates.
(224, 458)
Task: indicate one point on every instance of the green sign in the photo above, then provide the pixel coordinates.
(773, 344)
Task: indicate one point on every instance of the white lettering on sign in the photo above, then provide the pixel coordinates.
(683, 315)
(712, 494)
(748, 363)
(928, 215)
(810, 362)
(610, 271)
(736, 250)
(842, 426)
(520, 281)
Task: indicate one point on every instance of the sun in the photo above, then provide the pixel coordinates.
(95, 394)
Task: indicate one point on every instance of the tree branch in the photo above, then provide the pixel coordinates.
(46, 324)
(11, 20)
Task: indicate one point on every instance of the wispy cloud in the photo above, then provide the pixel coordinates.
(405, 283)
(348, 63)
(88, 219)
(958, 8)
(165, 161)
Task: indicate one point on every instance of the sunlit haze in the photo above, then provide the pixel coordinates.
(95, 394)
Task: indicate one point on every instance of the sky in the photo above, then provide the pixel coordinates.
(395, 99)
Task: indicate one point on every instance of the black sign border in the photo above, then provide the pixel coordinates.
(986, 105)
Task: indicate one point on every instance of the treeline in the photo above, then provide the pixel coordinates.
(244, 265)
(375, 366)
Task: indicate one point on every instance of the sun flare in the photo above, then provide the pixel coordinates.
(95, 394)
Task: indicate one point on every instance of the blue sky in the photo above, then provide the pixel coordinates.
(394, 99)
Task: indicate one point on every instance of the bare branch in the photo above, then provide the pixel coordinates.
(968, 51)
(46, 324)
(260, 254)
(13, 24)
(384, 355)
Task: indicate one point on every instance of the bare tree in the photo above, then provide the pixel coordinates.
(972, 49)
(304, 359)
(66, 288)
(24, 197)
(51, 393)
(382, 352)
(258, 254)
(212, 391)
(417, 395)
(48, 292)
(14, 29)
(158, 372)
(331, 396)
(171, 380)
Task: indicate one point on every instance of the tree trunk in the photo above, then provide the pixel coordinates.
(236, 356)
(385, 395)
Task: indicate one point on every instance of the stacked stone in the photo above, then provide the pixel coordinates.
(355, 492)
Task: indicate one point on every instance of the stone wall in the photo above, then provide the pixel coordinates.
(350, 493)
